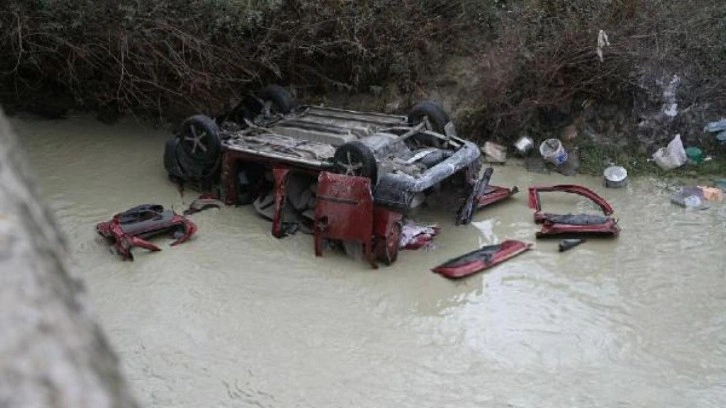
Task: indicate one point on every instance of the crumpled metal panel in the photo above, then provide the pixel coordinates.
(344, 211)
(573, 224)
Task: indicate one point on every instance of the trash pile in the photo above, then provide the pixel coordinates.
(696, 197)
(552, 154)
(676, 154)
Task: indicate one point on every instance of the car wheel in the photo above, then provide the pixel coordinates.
(356, 159)
(280, 98)
(437, 116)
(195, 170)
(199, 138)
(171, 164)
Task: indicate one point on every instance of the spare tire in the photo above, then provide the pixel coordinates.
(280, 97)
(438, 118)
(199, 139)
(356, 159)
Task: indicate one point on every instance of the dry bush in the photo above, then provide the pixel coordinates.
(531, 56)
(127, 55)
(551, 66)
(187, 55)
(549, 50)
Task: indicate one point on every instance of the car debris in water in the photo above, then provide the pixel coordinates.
(201, 204)
(696, 197)
(344, 211)
(573, 224)
(416, 236)
(567, 244)
(471, 203)
(134, 226)
(273, 153)
(481, 259)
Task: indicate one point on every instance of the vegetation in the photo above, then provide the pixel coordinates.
(534, 60)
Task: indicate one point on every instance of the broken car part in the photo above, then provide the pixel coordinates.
(471, 203)
(201, 204)
(576, 224)
(344, 211)
(415, 236)
(134, 226)
(567, 244)
(481, 259)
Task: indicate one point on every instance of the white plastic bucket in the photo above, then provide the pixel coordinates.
(553, 151)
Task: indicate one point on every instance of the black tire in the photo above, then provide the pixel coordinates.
(356, 159)
(194, 170)
(280, 97)
(199, 139)
(438, 118)
(171, 163)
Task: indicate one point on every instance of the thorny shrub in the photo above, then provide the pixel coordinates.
(197, 54)
(543, 60)
(176, 56)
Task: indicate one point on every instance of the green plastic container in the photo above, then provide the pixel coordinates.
(695, 155)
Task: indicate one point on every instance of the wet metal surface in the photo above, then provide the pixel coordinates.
(237, 318)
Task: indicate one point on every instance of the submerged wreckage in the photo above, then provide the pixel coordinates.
(341, 175)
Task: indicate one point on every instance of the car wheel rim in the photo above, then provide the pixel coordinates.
(350, 165)
(195, 140)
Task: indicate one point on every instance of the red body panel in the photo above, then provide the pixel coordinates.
(384, 224)
(344, 211)
(608, 227)
(124, 242)
(387, 226)
(494, 195)
(470, 264)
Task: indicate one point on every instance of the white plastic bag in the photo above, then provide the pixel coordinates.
(671, 157)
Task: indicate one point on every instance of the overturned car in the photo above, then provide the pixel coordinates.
(404, 156)
(255, 151)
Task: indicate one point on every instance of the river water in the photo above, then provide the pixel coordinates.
(237, 318)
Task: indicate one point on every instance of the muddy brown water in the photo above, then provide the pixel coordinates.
(237, 318)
